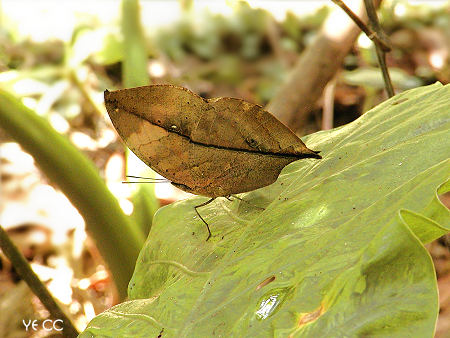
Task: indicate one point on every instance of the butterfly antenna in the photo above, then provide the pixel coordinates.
(245, 201)
(147, 179)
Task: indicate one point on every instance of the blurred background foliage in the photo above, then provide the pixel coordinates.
(245, 53)
(239, 50)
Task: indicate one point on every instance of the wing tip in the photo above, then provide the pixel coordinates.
(312, 154)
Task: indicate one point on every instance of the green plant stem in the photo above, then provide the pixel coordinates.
(24, 270)
(381, 52)
(85, 92)
(134, 73)
(134, 65)
(118, 241)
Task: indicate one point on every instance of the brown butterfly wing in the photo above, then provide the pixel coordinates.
(211, 147)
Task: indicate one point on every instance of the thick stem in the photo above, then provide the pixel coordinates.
(134, 65)
(118, 240)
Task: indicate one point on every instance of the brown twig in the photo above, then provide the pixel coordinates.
(379, 46)
(375, 35)
(27, 274)
(316, 66)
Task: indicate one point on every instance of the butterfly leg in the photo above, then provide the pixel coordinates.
(242, 200)
(202, 205)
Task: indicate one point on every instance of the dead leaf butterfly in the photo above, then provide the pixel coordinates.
(209, 147)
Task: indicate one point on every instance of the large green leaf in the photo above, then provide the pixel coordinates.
(338, 250)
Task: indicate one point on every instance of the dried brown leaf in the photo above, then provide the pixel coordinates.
(214, 147)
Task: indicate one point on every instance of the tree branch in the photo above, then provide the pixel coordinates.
(316, 66)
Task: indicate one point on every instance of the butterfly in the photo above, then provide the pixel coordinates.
(210, 147)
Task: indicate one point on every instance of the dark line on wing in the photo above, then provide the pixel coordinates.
(299, 156)
(247, 150)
